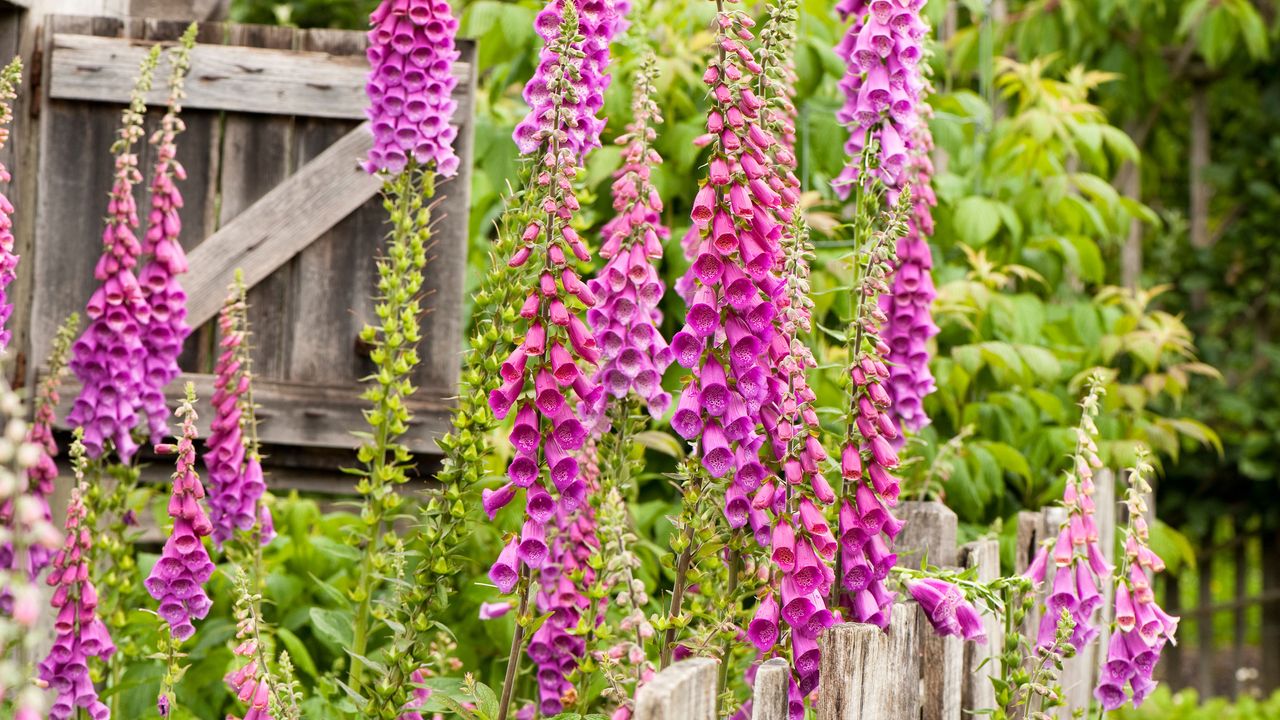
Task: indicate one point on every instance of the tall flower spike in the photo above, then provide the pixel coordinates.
(627, 289)
(28, 510)
(232, 457)
(10, 78)
(78, 632)
(178, 578)
(868, 459)
(251, 683)
(1075, 557)
(167, 328)
(109, 357)
(597, 22)
(1142, 627)
(411, 55)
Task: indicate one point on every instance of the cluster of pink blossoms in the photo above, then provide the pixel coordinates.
(236, 484)
(598, 21)
(167, 328)
(1142, 626)
(628, 290)
(178, 578)
(947, 609)
(411, 51)
(78, 632)
(109, 356)
(542, 376)
(250, 686)
(1076, 555)
(8, 260)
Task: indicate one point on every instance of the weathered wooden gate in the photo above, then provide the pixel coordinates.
(273, 140)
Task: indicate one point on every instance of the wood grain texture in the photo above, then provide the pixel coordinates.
(981, 661)
(769, 700)
(255, 80)
(941, 672)
(684, 691)
(871, 675)
(929, 534)
(297, 414)
(279, 225)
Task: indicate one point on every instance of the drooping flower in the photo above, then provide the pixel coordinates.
(597, 22)
(178, 578)
(167, 328)
(79, 633)
(232, 457)
(411, 53)
(109, 356)
(543, 380)
(1141, 628)
(627, 289)
(10, 78)
(1075, 556)
(947, 609)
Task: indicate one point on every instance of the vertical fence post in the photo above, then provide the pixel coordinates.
(980, 661)
(930, 534)
(684, 691)
(1270, 675)
(1204, 629)
(769, 699)
(868, 674)
(1242, 608)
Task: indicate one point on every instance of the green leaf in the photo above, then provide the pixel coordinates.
(298, 652)
(333, 626)
(660, 442)
(976, 220)
(1041, 361)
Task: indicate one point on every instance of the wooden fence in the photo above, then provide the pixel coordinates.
(906, 672)
(273, 141)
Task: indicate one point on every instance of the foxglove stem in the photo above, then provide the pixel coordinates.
(517, 644)
(394, 340)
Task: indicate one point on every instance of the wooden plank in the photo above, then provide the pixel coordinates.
(301, 414)
(254, 80)
(257, 155)
(929, 534)
(871, 675)
(1270, 676)
(941, 669)
(330, 296)
(684, 691)
(280, 224)
(769, 700)
(1204, 629)
(982, 661)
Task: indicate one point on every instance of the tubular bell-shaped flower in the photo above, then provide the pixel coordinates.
(411, 53)
(167, 327)
(1076, 555)
(232, 457)
(627, 289)
(109, 357)
(1141, 628)
(178, 578)
(10, 78)
(78, 632)
(28, 509)
(947, 609)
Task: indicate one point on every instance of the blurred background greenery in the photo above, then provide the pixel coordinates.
(1109, 183)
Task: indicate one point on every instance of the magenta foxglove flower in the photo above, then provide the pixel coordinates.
(231, 458)
(8, 260)
(543, 379)
(411, 53)
(78, 632)
(598, 21)
(947, 609)
(420, 696)
(248, 684)
(178, 578)
(167, 328)
(628, 290)
(40, 478)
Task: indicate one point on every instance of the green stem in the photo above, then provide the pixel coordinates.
(517, 644)
(677, 596)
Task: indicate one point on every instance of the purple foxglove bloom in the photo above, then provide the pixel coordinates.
(763, 629)
(411, 55)
(178, 578)
(78, 632)
(8, 260)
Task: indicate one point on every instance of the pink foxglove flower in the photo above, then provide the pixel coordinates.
(232, 458)
(1142, 628)
(79, 633)
(109, 357)
(947, 609)
(543, 380)
(411, 53)
(628, 290)
(8, 260)
(178, 578)
(598, 21)
(1075, 557)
